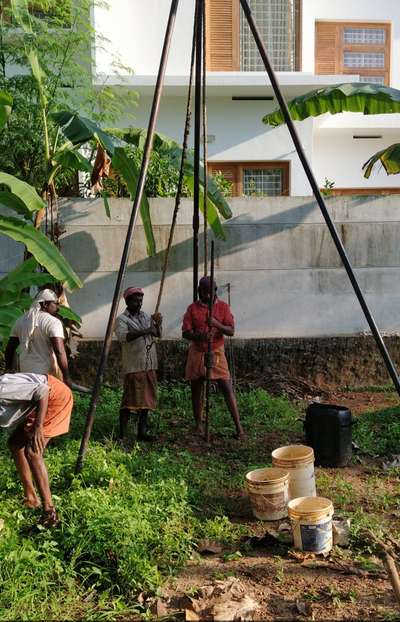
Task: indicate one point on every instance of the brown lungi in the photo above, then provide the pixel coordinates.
(196, 369)
(140, 390)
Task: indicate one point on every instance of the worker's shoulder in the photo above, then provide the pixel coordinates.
(222, 304)
(46, 321)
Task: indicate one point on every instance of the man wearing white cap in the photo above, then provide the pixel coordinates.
(136, 331)
(40, 336)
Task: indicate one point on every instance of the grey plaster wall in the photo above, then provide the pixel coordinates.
(286, 277)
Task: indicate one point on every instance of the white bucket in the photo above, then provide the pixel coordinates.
(299, 461)
(268, 493)
(311, 519)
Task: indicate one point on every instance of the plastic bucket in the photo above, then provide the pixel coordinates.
(299, 461)
(268, 493)
(311, 519)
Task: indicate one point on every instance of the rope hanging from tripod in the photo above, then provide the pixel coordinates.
(205, 153)
(182, 166)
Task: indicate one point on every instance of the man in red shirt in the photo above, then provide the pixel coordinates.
(197, 327)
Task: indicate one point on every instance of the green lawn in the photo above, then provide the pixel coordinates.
(132, 518)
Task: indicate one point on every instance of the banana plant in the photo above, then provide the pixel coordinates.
(79, 130)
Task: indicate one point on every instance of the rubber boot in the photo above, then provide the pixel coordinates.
(142, 427)
(124, 416)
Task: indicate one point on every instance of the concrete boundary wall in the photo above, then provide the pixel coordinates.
(285, 274)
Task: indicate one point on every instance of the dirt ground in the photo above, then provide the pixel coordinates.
(293, 586)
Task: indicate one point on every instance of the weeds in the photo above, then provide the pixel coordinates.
(131, 520)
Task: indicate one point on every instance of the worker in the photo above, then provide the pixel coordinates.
(197, 328)
(136, 331)
(39, 407)
(40, 337)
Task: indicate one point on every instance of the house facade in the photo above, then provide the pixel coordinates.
(312, 44)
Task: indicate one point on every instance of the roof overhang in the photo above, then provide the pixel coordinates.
(230, 83)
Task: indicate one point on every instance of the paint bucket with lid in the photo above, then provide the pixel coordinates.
(299, 461)
(311, 520)
(268, 492)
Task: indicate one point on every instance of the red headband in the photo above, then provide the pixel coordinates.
(133, 290)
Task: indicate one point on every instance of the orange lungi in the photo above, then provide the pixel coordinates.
(196, 369)
(58, 416)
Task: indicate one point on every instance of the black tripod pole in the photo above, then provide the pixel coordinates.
(209, 357)
(197, 129)
(128, 241)
(318, 196)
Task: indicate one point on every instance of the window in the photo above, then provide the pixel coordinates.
(276, 21)
(350, 48)
(231, 46)
(258, 179)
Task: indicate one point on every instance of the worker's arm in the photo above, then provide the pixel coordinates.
(192, 335)
(37, 439)
(12, 345)
(225, 329)
(61, 356)
(135, 334)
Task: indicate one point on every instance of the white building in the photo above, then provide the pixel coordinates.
(312, 43)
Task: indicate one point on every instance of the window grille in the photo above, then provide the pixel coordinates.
(364, 36)
(373, 79)
(262, 182)
(366, 60)
(276, 20)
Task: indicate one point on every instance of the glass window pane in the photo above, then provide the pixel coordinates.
(366, 36)
(262, 182)
(276, 20)
(373, 79)
(366, 60)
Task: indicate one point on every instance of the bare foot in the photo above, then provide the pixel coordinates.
(32, 503)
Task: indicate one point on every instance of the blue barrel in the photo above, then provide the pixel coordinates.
(328, 431)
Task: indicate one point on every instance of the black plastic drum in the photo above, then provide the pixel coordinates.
(328, 431)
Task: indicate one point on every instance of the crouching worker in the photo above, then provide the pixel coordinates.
(136, 331)
(40, 407)
(197, 327)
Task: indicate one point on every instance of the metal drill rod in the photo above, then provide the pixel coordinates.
(318, 196)
(128, 241)
(209, 347)
(197, 126)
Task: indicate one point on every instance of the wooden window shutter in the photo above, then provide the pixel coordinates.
(223, 35)
(327, 48)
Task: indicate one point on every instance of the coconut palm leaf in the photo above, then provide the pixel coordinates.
(351, 97)
(6, 102)
(44, 251)
(389, 158)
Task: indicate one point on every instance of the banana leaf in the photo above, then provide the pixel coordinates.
(6, 102)
(68, 314)
(11, 201)
(9, 315)
(351, 97)
(43, 250)
(23, 191)
(127, 169)
(80, 130)
(389, 159)
(170, 149)
(212, 214)
(72, 159)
